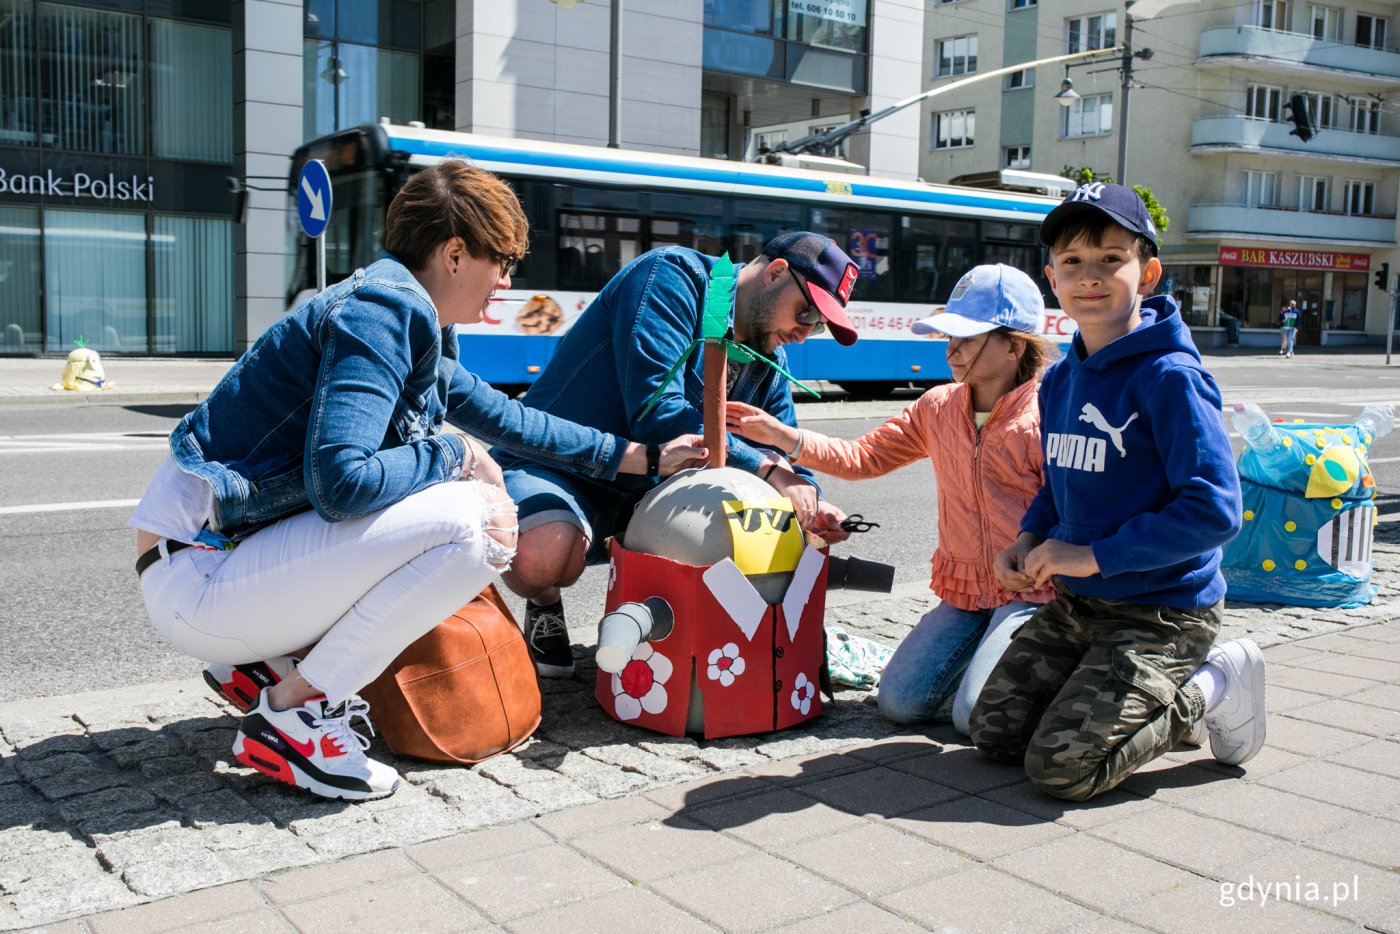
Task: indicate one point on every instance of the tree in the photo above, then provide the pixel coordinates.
(1085, 175)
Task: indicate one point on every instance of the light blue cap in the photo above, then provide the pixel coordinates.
(986, 298)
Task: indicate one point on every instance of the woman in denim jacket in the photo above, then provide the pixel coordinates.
(314, 485)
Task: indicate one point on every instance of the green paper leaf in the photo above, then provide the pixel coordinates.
(719, 299)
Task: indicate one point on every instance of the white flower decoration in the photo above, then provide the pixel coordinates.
(803, 691)
(725, 664)
(640, 684)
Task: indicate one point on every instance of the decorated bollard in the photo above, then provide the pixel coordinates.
(1309, 513)
(714, 611)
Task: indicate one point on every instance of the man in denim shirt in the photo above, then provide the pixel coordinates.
(611, 361)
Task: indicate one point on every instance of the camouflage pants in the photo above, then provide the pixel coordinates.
(1089, 690)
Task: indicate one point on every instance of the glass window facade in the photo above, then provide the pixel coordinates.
(366, 59)
(775, 39)
(116, 134)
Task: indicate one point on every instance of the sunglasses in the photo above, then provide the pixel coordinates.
(507, 261)
(808, 316)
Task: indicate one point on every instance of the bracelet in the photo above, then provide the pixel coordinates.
(796, 452)
(653, 460)
(769, 472)
(470, 472)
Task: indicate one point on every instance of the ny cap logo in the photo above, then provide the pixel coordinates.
(1090, 192)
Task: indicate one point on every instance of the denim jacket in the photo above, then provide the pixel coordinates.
(616, 354)
(340, 406)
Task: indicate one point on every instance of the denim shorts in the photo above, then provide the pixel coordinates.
(598, 510)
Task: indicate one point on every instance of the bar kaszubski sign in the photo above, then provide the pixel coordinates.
(1294, 259)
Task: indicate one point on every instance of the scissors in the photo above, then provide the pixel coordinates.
(856, 523)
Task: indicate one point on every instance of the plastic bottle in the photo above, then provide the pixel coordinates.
(1254, 426)
(1376, 420)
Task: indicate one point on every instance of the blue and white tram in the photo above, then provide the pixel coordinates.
(593, 210)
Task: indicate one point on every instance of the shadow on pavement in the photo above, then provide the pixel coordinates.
(114, 781)
(954, 784)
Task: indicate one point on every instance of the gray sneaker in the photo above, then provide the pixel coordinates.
(1237, 722)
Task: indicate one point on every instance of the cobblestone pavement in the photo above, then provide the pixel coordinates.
(117, 798)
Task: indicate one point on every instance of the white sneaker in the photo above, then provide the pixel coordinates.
(314, 747)
(241, 684)
(1197, 735)
(1236, 723)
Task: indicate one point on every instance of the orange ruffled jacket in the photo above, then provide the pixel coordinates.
(984, 484)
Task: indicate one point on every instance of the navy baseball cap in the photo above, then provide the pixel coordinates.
(986, 298)
(829, 272)
(1122, 205)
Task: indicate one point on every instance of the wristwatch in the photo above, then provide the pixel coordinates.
(653, 460)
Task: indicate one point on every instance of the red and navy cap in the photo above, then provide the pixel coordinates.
(1122, 205)
(829, 272)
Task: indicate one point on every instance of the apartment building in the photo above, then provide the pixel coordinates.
(1258, 215)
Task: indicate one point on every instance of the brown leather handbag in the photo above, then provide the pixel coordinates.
(464, 692)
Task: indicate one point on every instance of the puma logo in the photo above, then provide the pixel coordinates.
(1093, 416)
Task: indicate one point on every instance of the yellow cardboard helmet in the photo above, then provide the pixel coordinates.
(83, 371)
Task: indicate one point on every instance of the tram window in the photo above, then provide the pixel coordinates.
(705, 236)
(756, 222)
(594, 247)
(865, 236)
(936, 251)
(1020, 233)
(695, 221)
(1024, 258)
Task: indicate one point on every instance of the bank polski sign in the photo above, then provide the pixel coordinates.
(109, 187)
(850, 12)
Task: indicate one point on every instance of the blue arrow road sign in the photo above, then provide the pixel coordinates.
(314, 198)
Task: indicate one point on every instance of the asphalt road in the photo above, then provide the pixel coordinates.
(71, 617)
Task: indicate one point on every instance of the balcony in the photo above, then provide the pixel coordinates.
(1286, 54)
(1246, 134)
(1244, 222)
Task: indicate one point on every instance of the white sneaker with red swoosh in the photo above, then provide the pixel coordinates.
(314, 747)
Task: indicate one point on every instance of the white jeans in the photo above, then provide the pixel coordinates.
(362, 590)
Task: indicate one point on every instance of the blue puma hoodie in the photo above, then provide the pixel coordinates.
(1138, 465)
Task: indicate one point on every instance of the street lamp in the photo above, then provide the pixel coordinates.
(1068, 95)
(1134, 10)
(614, 70)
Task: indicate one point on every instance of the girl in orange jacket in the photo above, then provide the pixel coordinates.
(982, 434)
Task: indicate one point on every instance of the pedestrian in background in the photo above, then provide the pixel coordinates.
(315, 484)
(1288, 328)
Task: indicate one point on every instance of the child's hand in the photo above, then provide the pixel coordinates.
(757, 425)
(1010, 564)
(1057, 557)
(827, 524)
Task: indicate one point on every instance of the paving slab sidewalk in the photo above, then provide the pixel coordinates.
(129, 800)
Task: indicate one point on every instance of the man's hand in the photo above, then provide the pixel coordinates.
(1010, 564)
(826, 525)
(682, 453)
(801, 493)
(757, 425)
(1057, 557)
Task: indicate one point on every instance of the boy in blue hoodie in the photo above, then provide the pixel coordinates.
(1140, 492)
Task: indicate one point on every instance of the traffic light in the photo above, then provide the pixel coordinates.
(1303, 126)
(1383, 277)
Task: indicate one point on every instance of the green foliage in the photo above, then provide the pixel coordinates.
(1085, 175)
